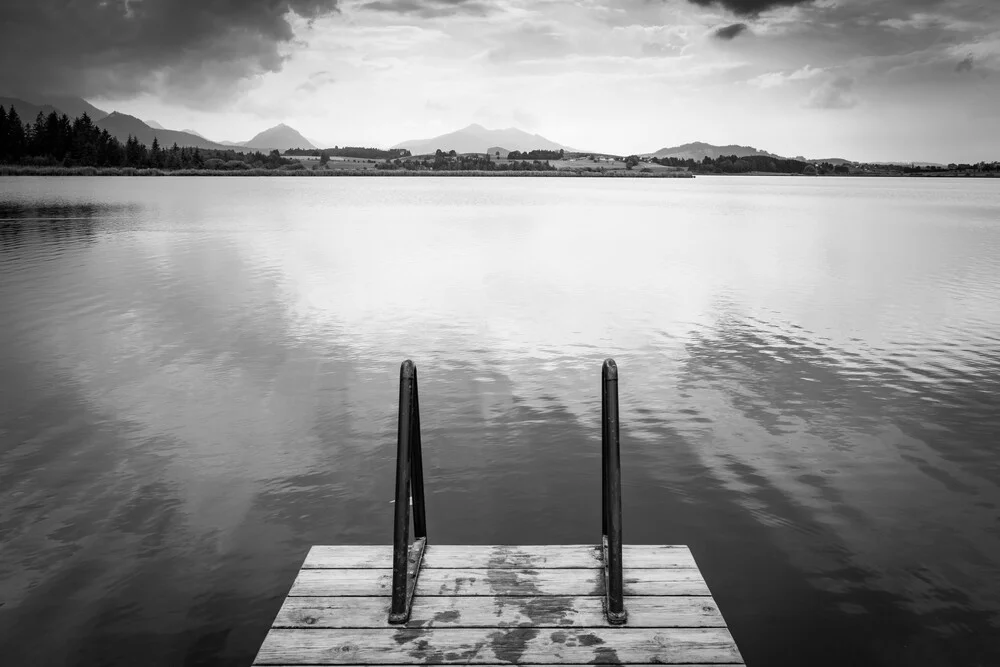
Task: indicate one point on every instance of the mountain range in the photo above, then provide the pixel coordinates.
(699, 150)
(122, 125)
(471, 139)
(477, 139)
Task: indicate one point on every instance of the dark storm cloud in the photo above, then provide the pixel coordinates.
(194, 49)
(749, 7)
(730, 32)
(965, 65)
(430, 8)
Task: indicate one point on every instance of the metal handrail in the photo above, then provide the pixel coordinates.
(611, 497)
(406, 560)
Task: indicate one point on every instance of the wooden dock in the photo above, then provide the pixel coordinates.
(414, 603)
(499, 605)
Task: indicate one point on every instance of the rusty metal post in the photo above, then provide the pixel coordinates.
(612, 496)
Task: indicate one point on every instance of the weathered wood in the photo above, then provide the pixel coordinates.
(446, 556)
(474, 612)
(498, 646)
(494, 582)
(499, 604)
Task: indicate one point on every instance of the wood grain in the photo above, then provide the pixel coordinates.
(499, 582)
(472, 612)
(498, 646)
(438, 556)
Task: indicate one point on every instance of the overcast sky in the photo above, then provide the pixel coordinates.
(862, 79)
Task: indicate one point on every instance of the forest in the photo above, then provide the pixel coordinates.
(57, 141)
(351, 151)
(451, 161)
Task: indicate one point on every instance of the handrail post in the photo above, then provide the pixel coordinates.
(409, 467)
(611, 496)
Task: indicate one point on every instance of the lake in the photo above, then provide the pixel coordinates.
(200, 381)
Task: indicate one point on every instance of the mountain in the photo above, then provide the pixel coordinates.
(199, 134)
(122, 125)
(72, 106)
(156, 126)
(27, 111)
(279, 137)
(232, 143)
(477, 139)
(700, 150)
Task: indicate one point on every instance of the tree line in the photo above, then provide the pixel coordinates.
(537, 154)
(731, 164)
(55, 140)
(451, 161)
(352, 151)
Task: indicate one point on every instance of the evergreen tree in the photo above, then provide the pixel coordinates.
(15, 135)
(155, 155)
(3, 133)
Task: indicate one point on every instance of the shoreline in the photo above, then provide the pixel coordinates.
(24, 170)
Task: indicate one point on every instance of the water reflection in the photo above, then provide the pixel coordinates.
(200, 383)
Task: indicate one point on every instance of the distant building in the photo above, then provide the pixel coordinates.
(497, 153)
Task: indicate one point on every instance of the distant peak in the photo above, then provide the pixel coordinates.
(475, 126)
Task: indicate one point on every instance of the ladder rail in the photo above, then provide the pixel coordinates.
(406, 560)
(611, 496)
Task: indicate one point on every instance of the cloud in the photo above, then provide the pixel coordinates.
(749, 7)
(531, 41)
(775, 79)
(430, 8)
(194, 51)
(834, 94)
(730, 32)
(316, 81)
(965, 65)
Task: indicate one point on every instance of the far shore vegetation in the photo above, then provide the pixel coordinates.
(55, 145)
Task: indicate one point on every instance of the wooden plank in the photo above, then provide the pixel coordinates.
(447, 556)
(472, 612)
(499, 582)
(498, 646)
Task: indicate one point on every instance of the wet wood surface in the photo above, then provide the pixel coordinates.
(450, 557)
(499, 605)
(575, 581)
(496, 611)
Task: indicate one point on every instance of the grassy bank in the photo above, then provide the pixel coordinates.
(21, 170)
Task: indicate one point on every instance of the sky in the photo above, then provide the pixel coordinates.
(862, 79)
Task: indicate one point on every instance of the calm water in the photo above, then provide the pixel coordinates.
(199, 381)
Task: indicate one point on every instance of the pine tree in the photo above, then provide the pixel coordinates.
(3, 134)
(15, 136)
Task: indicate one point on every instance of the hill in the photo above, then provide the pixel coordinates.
(699, 151)
(477, 139)
(27, 111)
(281, 137)
(122, 125)
(156, 126)
(72, 106)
